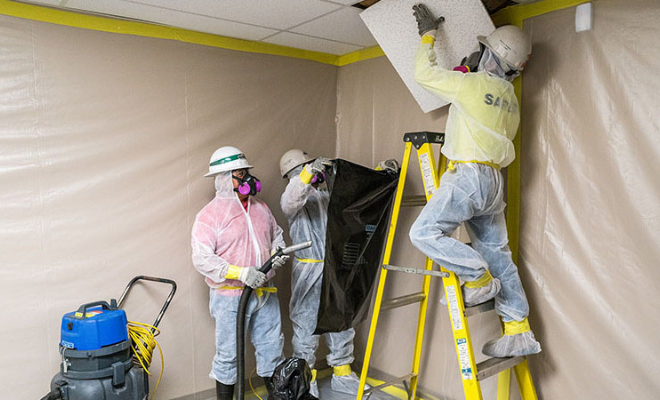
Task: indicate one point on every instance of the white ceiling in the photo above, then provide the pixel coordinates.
(329, 26)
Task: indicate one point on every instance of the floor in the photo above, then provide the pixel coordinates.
(325, 392)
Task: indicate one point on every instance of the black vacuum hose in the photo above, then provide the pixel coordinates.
(240, 318)
(54, 395)
(240, 330)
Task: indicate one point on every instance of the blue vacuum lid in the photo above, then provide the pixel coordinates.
(93, 326)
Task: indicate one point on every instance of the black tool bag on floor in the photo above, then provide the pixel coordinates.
(360, 203)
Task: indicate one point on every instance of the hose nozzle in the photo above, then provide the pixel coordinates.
(296, 247)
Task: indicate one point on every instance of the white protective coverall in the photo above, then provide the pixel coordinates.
(483, 120)
(224, 234)
(306, 209)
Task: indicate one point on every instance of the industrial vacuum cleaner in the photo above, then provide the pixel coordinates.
(104, 356)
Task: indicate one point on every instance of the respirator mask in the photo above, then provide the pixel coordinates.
(318, 178)
(248, 184)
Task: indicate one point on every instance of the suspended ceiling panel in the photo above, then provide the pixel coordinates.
(332, 27)
(394, 26)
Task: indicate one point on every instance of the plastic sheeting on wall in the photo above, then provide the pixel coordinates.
(104, 139)
(590, 222)
(360, 202)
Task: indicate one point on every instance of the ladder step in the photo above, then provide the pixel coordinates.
(417, 271)
(402, 301)
(413, 201)
(480, 308)
(494, 366)
(394, 381)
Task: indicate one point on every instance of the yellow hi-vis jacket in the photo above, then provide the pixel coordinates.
(483, 116)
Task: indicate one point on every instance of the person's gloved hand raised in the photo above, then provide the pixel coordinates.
(427, 24)
(252, 277)
(279, 261)
(317, 166)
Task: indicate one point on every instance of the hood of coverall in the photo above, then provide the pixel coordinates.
(490, 64)
(307, 215)
(224, 186)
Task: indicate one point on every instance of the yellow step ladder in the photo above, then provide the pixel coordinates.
(471, 372)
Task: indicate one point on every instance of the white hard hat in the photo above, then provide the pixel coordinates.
(227, 158)
(291, 159)
(510, 44)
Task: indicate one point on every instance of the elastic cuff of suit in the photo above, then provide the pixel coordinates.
(481, 282)
(428, 39)
(342, 370)
(314, 375)
(233, 272)
(516, 327)
(305, 176)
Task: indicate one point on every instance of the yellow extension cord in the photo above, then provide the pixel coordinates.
(144, 341)
(252, 387)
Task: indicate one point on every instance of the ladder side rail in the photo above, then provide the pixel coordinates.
(383, 272)
(462, 338)
(504, 377)
(456, 307)
(424, 152)
(525, 382)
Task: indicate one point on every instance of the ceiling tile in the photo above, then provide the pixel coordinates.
(173, 18)
(278, 14)
(344, 25)
(310, 43)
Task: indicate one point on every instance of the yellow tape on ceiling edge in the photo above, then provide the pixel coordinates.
(360, 55)
(107, 24)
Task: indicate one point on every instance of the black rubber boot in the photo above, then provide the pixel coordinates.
(224, 392)
(270, 386)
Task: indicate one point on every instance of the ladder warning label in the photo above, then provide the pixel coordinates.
(453, 308)
(464, 358)
(427, 173)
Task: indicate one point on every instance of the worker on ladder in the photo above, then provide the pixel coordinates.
(483, 120)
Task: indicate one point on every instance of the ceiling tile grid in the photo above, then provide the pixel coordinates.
(276, 14)
(192, 21)
(344, 25)
(311, 43)
(328, 26)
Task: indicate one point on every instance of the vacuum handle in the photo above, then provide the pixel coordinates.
(168, 300)
(82, 310)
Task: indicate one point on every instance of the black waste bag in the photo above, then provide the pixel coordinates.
(360, 203)
(291, 380)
